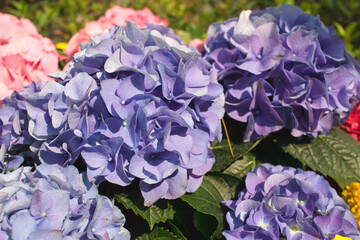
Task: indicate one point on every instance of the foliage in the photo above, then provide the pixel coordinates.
(335, 154)
(159, 212)
(207, 199)
(200, 215)
(59, 20)
(158, 233)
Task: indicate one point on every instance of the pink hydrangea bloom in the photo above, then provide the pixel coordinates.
(114, 16)
(197, 43)
(25, 56)
(10, 25)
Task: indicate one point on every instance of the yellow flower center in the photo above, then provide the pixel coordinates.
(338, 237)
(61, 45)
(294, 228)
(262, 225)
(352, 197)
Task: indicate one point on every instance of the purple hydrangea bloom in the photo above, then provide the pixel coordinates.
(14, 125)
(284, 202)
(287, 62)
(134, 103)
(56, 204)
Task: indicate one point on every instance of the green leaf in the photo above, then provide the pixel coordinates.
(207, 199)
(161, 211)
(341, 31)
(183, 220)
(176, 231)
(205, 223)
(222, 150)
(241, 167)
(158, 234)
(271, 152)
(336, 154)
(223, 155)
(343, 182)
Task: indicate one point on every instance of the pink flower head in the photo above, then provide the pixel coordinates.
(197, 43)
(25, 56)
(119, 16)
(352, 124)
(113, 16)
(10, 25)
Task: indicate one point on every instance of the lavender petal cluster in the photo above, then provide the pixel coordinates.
(284, 202)
(56, 204)
(282, 68)
(14, 122)
(134, 103)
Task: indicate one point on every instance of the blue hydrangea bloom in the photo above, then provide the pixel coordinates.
(56, 204)
(284, 202)
(282, 68)
(134, 103)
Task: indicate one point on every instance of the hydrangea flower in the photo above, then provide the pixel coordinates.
(284, 202)
(15, 137)
(134, 103)
(12, 26)
(352, 124)
(113, 16)
(56, 204)
(351, 195)
(25, 55)
(282, 68)
(197, 43)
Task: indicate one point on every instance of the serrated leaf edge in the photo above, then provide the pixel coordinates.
(164, 229)
(151, 225)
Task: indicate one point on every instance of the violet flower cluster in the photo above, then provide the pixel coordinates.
(282, 68)
(284, 202)
(14, 123)
(56, 204)
(134, 103)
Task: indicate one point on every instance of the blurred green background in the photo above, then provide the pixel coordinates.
(60, 19)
